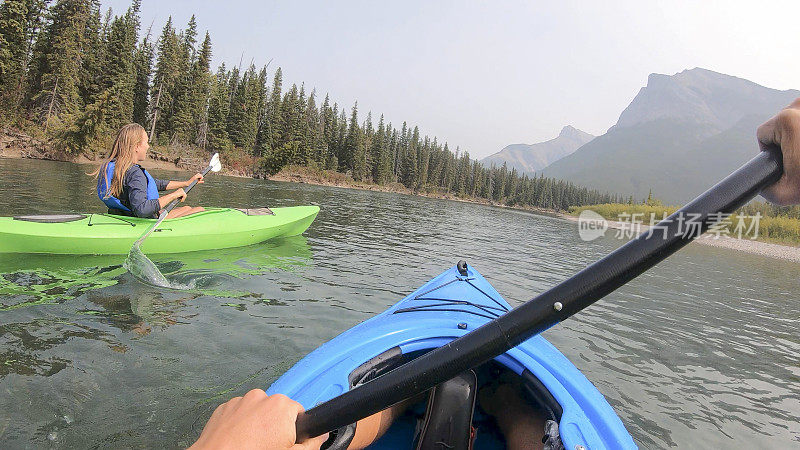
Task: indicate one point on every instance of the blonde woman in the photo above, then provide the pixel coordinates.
(128, 189)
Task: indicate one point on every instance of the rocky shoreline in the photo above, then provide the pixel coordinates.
(14, 144)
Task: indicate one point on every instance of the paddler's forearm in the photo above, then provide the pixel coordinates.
(177, 184)
(165, 200)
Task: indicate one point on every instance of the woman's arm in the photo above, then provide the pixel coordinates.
(183, 184)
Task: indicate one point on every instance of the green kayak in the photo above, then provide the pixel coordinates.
(106, 234)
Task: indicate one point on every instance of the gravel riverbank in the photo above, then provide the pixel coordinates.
(768, 249)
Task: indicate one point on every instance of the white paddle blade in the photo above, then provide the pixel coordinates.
(215, 165)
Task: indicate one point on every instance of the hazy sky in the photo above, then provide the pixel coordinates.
(482, 75)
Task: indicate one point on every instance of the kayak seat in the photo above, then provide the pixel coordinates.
(443, 413)
(257, 211)
(369, 370)
(55, 218)
(537, 391)
(448, 416)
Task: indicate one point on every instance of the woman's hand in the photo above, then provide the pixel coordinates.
(167, 199)
(183, 184)
(198, 177)
(180, 194)
(255, 421)
(783, 131)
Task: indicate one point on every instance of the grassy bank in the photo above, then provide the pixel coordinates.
(776, 225)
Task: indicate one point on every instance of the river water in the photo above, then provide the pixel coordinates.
(700, 352)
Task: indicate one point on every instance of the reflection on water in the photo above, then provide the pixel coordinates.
(701, 352)
(39, 279)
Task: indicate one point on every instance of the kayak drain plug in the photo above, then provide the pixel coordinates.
(462, 326)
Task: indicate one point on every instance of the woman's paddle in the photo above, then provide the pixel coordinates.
(549, 308)
(140, 265)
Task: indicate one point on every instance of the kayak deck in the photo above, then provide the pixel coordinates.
(445, 308)
(106, 234)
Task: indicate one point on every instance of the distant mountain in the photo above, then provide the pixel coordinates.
(535, 157)
(681, 134)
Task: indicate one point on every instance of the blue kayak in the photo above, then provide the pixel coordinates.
(445, 308)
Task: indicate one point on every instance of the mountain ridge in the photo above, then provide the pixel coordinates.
(679, 135)
(534, 157)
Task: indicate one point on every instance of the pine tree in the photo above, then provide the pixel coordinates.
(352, 145)
(424, 160)
(381, 170)
(363, 158)
(189, 40)
(201, 90)
(190, 86)
(252, 93)
(94, 56)
(274, 116)
(143, 66)
(449, 174)
(113, 107)
(476, 179)
(167, 75)
(300, 132)
(462, 175)
(316, 139)
(262, 123)
(55, 85)
(341, 142)
(120, 74)
(243, 114)
(19, 23)
(328, 125)
(409, 170)
(218, 139)
(290, 131)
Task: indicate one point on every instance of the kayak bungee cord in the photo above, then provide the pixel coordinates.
(547, 309)
(137, 263)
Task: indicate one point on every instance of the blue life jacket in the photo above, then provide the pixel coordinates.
(113, 202)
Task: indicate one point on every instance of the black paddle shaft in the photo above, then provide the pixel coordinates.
(549, 308)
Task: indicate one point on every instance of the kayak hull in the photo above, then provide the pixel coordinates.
(445, 308)
(106, 234)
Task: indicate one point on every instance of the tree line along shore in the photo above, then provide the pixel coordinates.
(71, 75)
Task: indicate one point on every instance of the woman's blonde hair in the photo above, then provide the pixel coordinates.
(122, 151)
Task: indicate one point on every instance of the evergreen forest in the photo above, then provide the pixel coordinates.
(78, 74)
